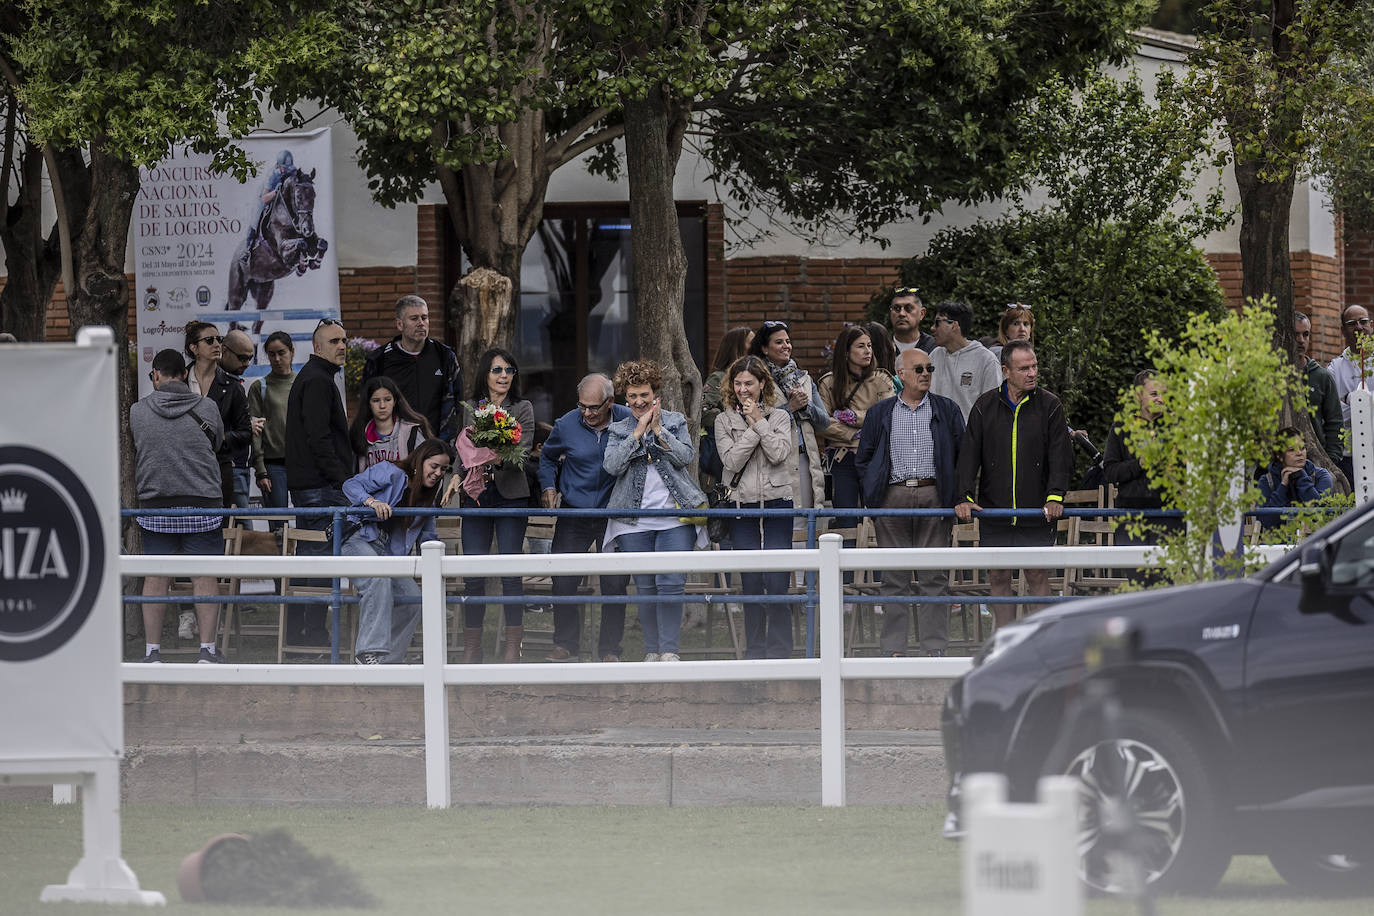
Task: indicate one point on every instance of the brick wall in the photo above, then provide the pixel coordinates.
(1318, 292)
(1226, 265)
(815, 297)
(367, 299)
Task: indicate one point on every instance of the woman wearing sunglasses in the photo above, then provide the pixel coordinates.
(506, 488)
(205, 346)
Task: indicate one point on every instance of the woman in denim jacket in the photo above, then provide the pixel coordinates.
(648, 453)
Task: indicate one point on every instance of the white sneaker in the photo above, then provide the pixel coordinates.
(670, 657)
(186, 625)
(652, 657)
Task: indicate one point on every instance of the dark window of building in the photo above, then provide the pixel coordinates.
(577, 299)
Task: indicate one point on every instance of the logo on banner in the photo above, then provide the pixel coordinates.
(203, 296)
(52, 553)
(150, 301)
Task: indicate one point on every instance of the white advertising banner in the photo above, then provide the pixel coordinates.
(60, 617)
(256, 255)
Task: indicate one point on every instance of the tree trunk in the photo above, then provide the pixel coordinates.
(652, 145)
(1264, 257)
(483, 316)
(495, 209)
(33, 264)
(101, 294)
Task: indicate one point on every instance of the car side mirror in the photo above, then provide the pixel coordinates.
(1314, 572)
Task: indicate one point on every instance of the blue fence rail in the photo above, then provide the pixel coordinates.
(338, 515)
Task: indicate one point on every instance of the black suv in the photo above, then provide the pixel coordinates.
(1247, 721)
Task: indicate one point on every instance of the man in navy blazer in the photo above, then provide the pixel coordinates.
(906, 460)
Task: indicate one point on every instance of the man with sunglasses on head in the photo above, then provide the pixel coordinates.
(319, 458)
(236, 355)
(571, 464)
(906, 460)
(426, 371)
(906, 312)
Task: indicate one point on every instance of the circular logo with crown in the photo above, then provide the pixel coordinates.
(52, 553)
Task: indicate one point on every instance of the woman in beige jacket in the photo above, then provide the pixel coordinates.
(755, 443)
(854, 384)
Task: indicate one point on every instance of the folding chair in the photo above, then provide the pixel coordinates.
(292, 536)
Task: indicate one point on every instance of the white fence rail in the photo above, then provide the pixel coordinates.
(829, 560)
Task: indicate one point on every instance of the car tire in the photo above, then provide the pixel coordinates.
(1324, 873)
(1185, 845)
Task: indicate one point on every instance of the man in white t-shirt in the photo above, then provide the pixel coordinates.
(1346, 368)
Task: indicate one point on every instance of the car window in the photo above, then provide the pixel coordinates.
(1353, 562)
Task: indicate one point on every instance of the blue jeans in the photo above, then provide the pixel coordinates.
(767, 627)
(660, 620)
(510, 538)
(383, 625)
(308, 621)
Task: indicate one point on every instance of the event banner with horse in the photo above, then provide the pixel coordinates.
(254, 255)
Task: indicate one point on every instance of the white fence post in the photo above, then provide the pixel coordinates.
(438, 789)
(1362, 443)
(831, 608)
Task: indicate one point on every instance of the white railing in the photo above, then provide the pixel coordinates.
(830, 560)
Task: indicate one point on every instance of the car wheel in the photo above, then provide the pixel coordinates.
(1173, 798)
(1331, 873)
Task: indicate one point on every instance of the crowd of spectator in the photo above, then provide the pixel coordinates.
(910, 420)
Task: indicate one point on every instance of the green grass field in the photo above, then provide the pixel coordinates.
(587, 860)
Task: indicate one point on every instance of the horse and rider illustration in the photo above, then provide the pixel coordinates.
(280, 241)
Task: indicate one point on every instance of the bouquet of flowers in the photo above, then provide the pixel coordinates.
(496, 428)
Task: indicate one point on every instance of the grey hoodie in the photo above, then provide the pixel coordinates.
(964, 374)
(176, 433)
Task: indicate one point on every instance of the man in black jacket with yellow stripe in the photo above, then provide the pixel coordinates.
(1015, 455)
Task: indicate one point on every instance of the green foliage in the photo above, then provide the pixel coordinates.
(432, 83)
(872, 109)
(1223, 387)
(1110, 255)
(138, 78)
(1343, 128)
(1149, 278)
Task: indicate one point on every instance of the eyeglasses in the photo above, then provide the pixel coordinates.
(907, 291)
(592, 408)
(1358, 322)
(244, 357)
(503, 370)
(212, 339)
(943, 320)
(1018, 305)
(920, 370)
(774, 325)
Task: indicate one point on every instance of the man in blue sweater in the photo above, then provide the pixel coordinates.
(570, 464)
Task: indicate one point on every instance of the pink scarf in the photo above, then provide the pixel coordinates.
(475, 458)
